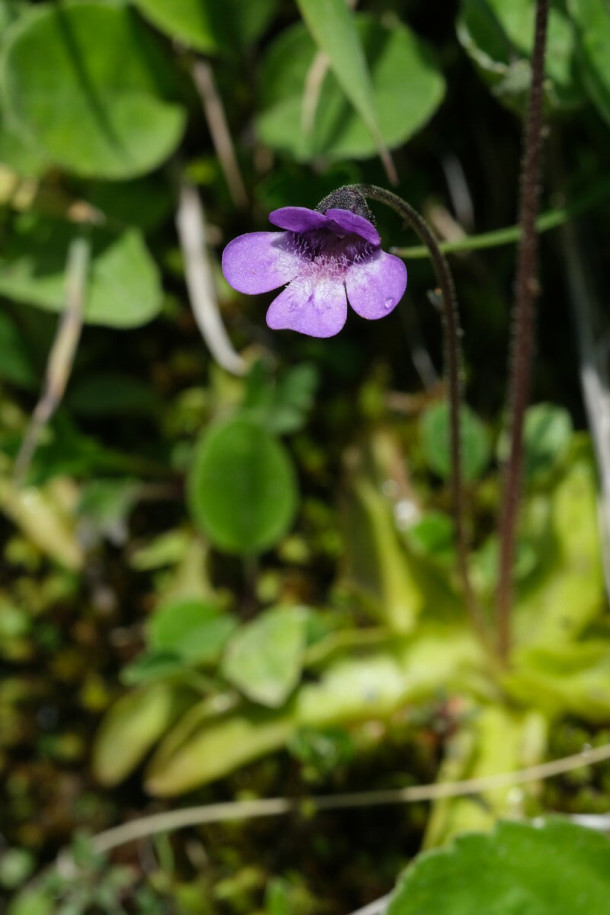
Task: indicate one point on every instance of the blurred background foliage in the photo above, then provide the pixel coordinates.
(228, 554)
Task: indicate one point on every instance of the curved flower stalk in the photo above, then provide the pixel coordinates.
(327, 258)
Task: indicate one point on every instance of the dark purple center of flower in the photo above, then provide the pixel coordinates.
(326, 250)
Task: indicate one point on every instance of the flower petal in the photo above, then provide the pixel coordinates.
(377, 285)
(259, 261)
(317, 307)
(297, 219)
(352, 223)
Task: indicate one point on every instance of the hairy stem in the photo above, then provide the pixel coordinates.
(526, 288)
(453, 360)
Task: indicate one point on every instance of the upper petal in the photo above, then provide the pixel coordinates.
(297, 219)
(317, 307)
(352, 223)
(259, 261)
(376, 286)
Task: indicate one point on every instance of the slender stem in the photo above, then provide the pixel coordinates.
(526, 288)
(590, 199)
(226, 811)
(62, 354)
(453, 360)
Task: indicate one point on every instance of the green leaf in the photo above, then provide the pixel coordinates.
(89, 84)
(282, 404)
(499, 37)
(396, 58)
(124, 288)
(546, 435)
(207, 25)
(32, 901)
(152, 667)
(433, 536)
(567, 592)
(193, 630)
(19, 154)
(242, 488)
(264, 658)
(475, 440)
(332, 25)
(592, 20)
(131, 727)
(518, 869)
(563, 679)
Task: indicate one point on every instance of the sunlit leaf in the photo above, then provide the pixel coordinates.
(333, 27)
(193, 630)
(132, 727)
(592, 20)
(60, 64)
(499, 37)
(264, 658)
(475, 441)
(123, 286)
(396, 59)
(242, 487)
(207, 25)
(556, 867)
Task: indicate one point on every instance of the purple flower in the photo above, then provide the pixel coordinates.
(326, 258)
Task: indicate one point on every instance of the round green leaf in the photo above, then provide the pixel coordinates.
(88, 83)
(499, 37)
(396, 59)
(192, 629)
(264, 658)
(123, 290)
(518, 869)
(242, 486)
(208, 25)
(547, 432)
(592, 20)
(476, 445)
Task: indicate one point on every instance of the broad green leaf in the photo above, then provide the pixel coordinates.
(547, 432)
(132, 727)
(563, 679)
(488, 740)
(124, 288)
(567, 591)
(280, 404)
(350, 690)
(207, 25)
(216, 749)
(88, 83)
(32, 901)
(151, 667)
(242, 488)
(433, 536)
(193, 630)
(499, 37)
(396, 59)
(264, 658)
(332, 25)
(519, 869)
(592, 21)
(45, 515)
(21, 156)
(475, 441)
(375, 563)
